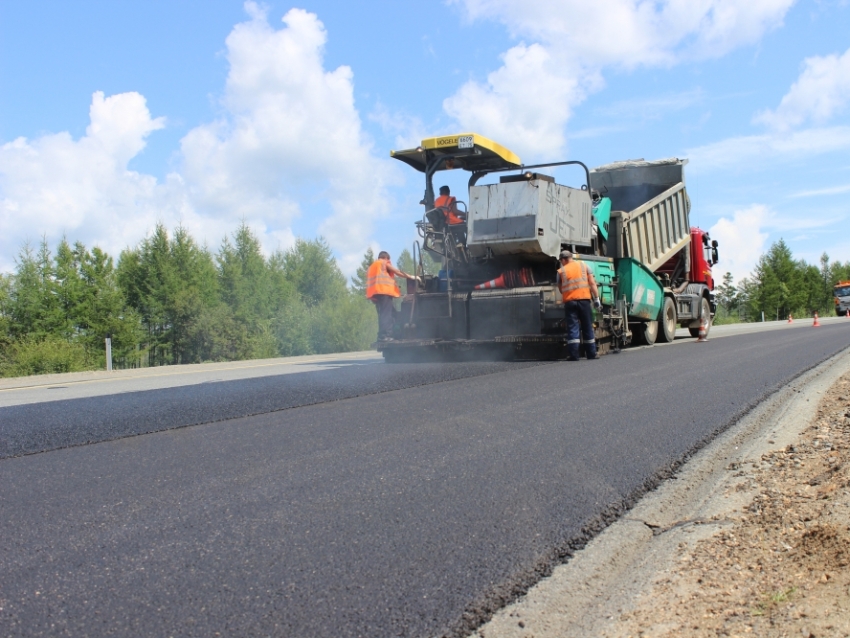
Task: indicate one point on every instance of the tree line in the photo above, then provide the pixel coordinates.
(170, 300)
(780, 286)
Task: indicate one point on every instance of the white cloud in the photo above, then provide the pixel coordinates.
(795, 221)
(595, 131)
(834, 190)
(768, 149)
(527, 102)
(290, 133)
(408, 130)
(641, 32)
(654, 107)
(821, 92)
(743, 237)
(56, 184)
(741, 240)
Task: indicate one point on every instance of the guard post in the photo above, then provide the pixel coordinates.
(109, 352)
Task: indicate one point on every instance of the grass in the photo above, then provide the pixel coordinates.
(772, 601)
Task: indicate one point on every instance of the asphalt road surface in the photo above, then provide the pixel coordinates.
(366, 500)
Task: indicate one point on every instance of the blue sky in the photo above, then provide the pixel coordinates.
(114, 116)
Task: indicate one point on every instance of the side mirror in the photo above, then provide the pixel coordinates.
(714, 245)
(714, 256)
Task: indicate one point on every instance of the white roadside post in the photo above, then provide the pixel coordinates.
(109, 353)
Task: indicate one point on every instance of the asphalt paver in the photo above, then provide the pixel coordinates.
(412, 512)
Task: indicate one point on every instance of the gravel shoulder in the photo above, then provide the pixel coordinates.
(751, 538)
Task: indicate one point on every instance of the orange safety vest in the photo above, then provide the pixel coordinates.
(379, 281)
(449, 206)
(573, 281)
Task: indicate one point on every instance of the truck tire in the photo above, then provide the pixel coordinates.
(645, 333)
(667, 321)
(704, 311)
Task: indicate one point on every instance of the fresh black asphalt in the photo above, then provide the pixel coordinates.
(39, 427)
(410, 512)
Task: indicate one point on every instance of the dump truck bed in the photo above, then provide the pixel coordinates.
(650, 209)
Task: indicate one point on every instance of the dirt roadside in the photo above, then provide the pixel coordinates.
(753, 538)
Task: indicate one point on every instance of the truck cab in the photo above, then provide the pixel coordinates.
(841, 292)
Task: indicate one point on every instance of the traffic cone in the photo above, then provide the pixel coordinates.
(790, 319)
(816, 324)
(848, 314)
(703, 330)
(498, 282)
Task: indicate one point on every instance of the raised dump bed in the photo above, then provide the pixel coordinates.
(650, 209)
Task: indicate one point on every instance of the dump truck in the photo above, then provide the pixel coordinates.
(841, 294)
(496, 293)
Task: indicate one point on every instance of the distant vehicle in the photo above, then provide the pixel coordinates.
(496, 291)
(841, 291)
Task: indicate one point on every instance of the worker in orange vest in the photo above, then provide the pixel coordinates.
(448, 205)
(381, 289)
(455, 220)
(578, 289)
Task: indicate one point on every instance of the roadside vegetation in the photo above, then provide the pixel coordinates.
(170, 300)
(780, 286)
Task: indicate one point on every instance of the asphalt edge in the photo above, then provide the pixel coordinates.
(620, 529)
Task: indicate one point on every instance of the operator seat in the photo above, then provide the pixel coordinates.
(437, 218)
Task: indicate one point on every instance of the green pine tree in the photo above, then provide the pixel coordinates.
(311, 268)
(358, 281)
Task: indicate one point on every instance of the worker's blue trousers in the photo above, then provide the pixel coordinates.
(580, 316)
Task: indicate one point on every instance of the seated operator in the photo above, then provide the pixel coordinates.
(455, 219)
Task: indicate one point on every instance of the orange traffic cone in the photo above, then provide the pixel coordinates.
(816, 324)
(498, 282)
(703, 330)
(790, 319)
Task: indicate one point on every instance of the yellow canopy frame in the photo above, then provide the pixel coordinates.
(469, 151)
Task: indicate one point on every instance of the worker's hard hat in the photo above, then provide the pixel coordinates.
(566, 254)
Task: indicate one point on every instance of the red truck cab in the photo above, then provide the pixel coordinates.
(703, 257)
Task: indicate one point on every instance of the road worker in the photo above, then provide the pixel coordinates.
(381, 289)
(578, 289)
(448, 204)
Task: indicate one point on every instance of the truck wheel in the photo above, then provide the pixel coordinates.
(668, 321)
(705, 311)
(645, 333)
